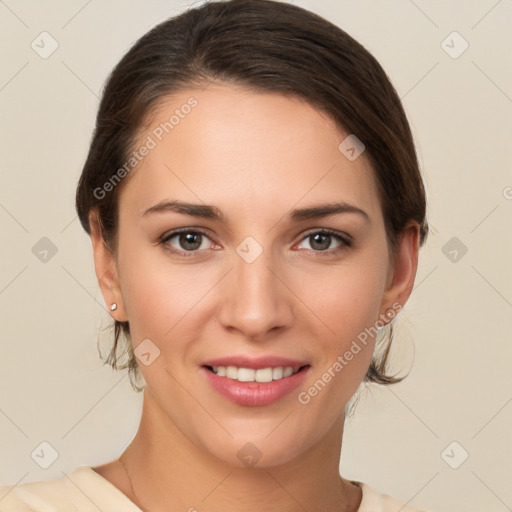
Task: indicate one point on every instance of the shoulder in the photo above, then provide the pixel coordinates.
(81, 490)
(34, 496)
(374, 501)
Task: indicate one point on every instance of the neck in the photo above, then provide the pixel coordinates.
(168, 472)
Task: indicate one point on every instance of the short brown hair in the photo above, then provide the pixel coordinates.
(268, 46)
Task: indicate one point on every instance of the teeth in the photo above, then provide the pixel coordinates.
(232, 372)
(263, 375)
(250, 375)
(287, 371)
(277, 373)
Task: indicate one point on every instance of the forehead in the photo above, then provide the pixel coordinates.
(227, 144)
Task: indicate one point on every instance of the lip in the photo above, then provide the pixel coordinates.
(255, 394)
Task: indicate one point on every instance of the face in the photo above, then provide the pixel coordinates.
(267, 283)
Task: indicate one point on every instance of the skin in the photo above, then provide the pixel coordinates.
(255, 157)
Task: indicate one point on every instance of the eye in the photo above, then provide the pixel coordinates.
(189, 242)
(321, 240)
(186, 241)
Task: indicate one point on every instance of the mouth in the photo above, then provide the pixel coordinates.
(262, 375)
(255, 382)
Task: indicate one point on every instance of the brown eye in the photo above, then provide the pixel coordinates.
(186, 241)
(322, 241)
(190, 241)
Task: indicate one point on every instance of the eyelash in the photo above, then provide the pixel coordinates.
(346, 241)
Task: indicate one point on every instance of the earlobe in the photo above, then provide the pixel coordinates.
(106, 270)
(404, 267)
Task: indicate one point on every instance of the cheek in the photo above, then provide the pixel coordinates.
(345, 299)
(145, 288)
(349, 305)
(160, 296)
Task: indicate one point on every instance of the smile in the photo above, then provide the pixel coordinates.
(255, 387)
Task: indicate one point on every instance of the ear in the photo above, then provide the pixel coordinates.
(402, 271)
(106, 269)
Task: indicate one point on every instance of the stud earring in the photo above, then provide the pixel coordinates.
(113, 306)
(390, 313)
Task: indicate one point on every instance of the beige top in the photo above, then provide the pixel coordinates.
(84, 490)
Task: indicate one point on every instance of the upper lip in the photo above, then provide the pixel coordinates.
(256, 362)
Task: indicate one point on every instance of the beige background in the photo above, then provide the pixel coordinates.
(52, 384)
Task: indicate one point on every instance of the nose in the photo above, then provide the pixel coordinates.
(255, 299)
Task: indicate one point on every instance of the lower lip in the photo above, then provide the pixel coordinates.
(255, 394)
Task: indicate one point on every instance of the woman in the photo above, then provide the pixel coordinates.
(255, 207)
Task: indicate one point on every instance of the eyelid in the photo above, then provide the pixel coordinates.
(348, 239)
(345, 240)
(187, 229)
(164, 239)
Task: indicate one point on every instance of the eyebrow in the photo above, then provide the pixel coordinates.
(296, 215)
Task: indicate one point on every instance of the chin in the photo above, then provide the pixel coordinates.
(258, 452)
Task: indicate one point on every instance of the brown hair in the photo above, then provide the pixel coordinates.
(268, 46)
